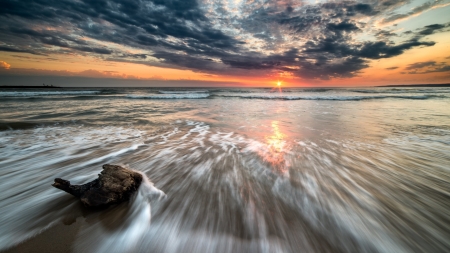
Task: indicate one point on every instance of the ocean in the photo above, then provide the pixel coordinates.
(242, 169)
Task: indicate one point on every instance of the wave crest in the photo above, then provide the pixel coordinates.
(182, 91)
(171, 96)
(336, 98)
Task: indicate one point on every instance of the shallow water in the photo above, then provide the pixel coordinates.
(243, 170)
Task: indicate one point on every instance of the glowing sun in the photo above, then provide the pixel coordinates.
(279, 83)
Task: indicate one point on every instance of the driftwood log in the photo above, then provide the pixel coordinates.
(114, 184)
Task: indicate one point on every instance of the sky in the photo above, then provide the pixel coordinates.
(224, 43)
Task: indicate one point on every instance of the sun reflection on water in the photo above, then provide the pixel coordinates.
(277, 147)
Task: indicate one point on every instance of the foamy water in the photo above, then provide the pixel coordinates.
(233, 174)
(196, 95)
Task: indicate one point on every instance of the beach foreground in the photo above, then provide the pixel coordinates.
(243, 170)
(48, 242)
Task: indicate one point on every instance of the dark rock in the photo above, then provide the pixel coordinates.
(115, 184)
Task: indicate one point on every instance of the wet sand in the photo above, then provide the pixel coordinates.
(243, 171)
(59, 238)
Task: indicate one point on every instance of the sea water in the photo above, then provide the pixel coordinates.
(233, 169)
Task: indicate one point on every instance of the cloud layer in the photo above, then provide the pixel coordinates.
(261, 38)
(427, 67)
(4, 65)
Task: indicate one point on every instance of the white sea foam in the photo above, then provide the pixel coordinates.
(227, 192)
(182, 91)
(336, 97)
(171, 96)
(30, 159)
(131, 227)
(401, 90)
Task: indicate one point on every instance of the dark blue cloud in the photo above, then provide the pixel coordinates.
(427, 67)
(182, 34)
(430, 29)
(392, 68)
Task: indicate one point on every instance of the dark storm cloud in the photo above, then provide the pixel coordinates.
(331, 50)
(135, 56)
(419, 65)
(187, 61)
(246, 64)
(368, 50)
(137, 22)
(334, 58)
(181, 34)
(149, 22)
(427, 67)
(383, 34)
(17, 50)
(363, 8)
(58, 39)
(336, 54)
(350, 8)
(416, 10)
(343, 26)
(327, 69)
(93, 50)
(431, 29)
(380, 49)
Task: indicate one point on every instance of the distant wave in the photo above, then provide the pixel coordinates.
(233, 91)
(45, 93)
(302, 90)
(271, 90)
(171, 96)
(400, 91)
(337, 98)
(182, 91)
(315, 90)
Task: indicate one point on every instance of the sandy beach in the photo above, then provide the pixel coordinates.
(243, 170)
(58, 238)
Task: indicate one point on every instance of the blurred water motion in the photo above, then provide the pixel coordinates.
(276, 147)
(281, 176)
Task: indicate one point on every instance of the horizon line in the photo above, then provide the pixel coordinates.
(256, 87)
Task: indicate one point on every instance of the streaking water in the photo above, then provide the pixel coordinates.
(243, 170)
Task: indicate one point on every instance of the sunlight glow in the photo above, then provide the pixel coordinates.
(277, 147)
(277, 88)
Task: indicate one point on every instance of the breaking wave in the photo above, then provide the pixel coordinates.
(336, 98)
(399, 91)
(170, 96)
(182, 91)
